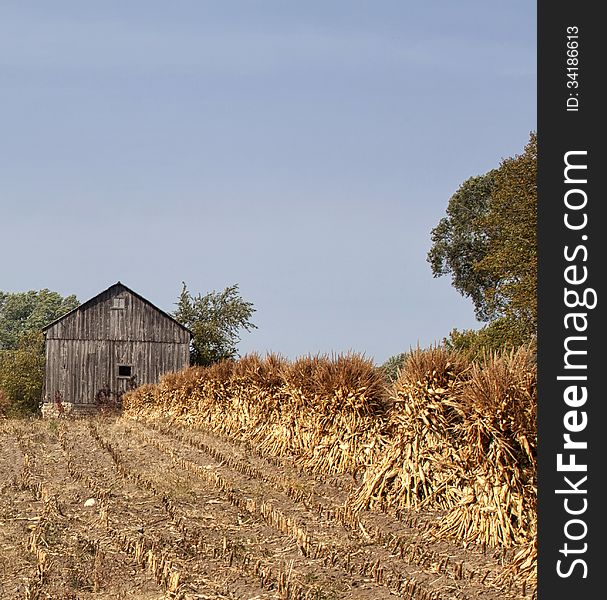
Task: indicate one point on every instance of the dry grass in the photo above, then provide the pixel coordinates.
(327, 412)
(447, 434)
(5, 404)
(414, 467)
(462, 439)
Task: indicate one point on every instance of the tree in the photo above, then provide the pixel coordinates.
(215, 321)
(22, 317)
(493, 337)
(459, 242)
(487, 242)
(24, 312)
(22, 375)
(511, 226)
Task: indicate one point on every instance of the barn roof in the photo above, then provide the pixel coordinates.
(124, 287)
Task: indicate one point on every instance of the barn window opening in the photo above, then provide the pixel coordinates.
(118, 303)
(124, 370)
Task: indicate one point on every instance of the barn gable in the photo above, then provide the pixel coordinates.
(115, 341)
(118, 313)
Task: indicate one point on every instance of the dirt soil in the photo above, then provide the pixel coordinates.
(116, 508)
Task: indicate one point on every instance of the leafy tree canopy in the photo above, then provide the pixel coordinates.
(459, 241)
(511, 226)
(22, 376)
(215, 320)
(24, 312)
(22, 317)
(487, 242)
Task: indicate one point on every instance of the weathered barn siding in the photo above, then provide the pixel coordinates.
(98, 320)
(86, 347)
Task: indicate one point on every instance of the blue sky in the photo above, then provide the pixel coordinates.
(303, 150)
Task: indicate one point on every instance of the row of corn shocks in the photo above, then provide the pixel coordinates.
(448, 434)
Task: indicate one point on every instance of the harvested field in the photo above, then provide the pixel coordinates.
(197, 514)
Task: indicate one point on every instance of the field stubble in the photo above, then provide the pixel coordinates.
(193, 515)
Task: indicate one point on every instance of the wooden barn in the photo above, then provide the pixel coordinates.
(114, 342)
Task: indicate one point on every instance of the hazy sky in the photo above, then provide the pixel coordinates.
(303, 150)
